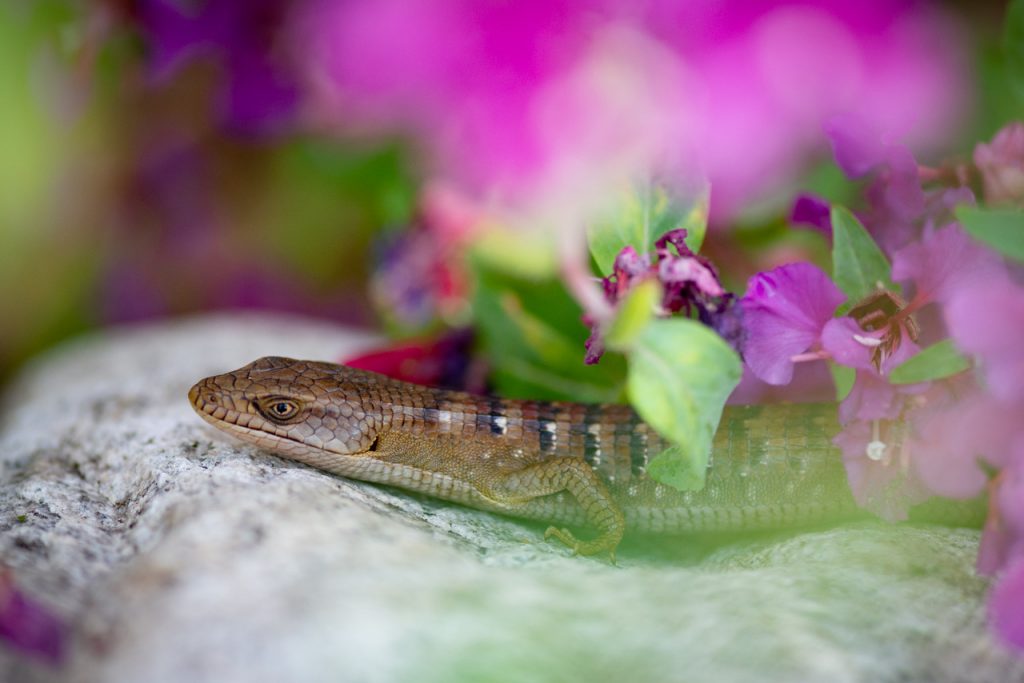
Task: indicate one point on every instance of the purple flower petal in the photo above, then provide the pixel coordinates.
(594, 346)
(677, 238)
(29, 627)
(903, 193)
(852, 346)
(987, 319)
(814, 211)
(871, 398)
(885, 486)
(1002, 541)
(260, 94)
(942, 262)
(954, 438)
(685, 270)
(1006, 606)
(785, 310)
(630, 264)
(857, 148)
(727, 320)
(848, 344)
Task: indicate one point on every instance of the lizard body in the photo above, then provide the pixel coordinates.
(565, 463)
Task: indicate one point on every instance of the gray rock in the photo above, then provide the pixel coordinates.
(177, 554)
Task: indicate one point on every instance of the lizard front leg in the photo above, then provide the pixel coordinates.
(578, 479)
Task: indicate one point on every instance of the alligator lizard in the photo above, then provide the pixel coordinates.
(564, 463)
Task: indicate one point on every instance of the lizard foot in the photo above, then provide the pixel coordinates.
(603, 543)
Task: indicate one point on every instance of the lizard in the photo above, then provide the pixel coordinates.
(567, 464)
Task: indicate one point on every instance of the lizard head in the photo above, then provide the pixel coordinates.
(296, 408)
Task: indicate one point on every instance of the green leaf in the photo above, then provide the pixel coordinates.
(531, 332)
(1001, 229)
(680, 374)
(636, 310)
(935, 362)
(1013, 45)
(859, 267)
(641, 214)
(843, 377)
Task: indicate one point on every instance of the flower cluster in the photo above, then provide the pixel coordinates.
(528, 102)
(959, 433)
(690, 287)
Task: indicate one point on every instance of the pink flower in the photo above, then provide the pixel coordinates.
(1001, 163)
(859, 150)
(942, 262)
(1006, 606)
(986, 318)
(515, 102)
(956, 436)
(1003, 539)
(785, 311)
(880, 464)
(900, 206)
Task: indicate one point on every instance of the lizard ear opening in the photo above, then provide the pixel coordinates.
(373, 446)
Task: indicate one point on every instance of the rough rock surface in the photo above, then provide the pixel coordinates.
(177, 554)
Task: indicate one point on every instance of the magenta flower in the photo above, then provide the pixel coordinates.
(516, 102)
(524, 101)
(785, 311)
(689, 283)
(1001, 164)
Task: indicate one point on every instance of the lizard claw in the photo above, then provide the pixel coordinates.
(578, 547)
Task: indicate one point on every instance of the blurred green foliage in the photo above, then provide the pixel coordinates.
(532, 333)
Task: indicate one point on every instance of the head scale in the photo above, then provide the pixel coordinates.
(291, 407)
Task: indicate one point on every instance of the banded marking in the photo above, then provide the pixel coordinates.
(498, 419)
(547, 426)
(592, 434)
(637, 444)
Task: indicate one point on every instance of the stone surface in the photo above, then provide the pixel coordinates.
(177, 554)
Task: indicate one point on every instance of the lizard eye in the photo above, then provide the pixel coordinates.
(278, 409)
